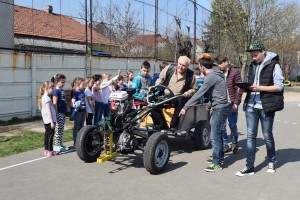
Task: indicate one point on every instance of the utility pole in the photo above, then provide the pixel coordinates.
(156, 27)
(91, 24)
(127, 35)
(86, 28)
(219, 17)
(195, 32)
(86, 38)
(178, 23)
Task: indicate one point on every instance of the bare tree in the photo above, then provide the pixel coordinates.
(237, 22)
(121, 20)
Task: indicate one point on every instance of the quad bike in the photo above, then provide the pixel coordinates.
(127, 130)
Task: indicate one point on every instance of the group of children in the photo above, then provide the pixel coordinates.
(89, 101)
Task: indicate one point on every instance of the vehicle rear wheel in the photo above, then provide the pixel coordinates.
(88, 143)
(202, 135)
(156, 153)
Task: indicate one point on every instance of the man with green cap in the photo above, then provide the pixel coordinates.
(264, 98)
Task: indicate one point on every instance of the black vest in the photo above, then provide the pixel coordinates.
(188, 80)
(271, 101)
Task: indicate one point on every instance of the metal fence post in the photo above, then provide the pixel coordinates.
(33, 85)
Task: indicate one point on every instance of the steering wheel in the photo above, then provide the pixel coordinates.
(161, 92)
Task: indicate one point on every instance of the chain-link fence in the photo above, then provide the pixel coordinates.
(121, 28)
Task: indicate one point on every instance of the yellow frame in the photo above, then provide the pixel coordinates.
(108, 153)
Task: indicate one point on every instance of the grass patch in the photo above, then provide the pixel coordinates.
(29, 140)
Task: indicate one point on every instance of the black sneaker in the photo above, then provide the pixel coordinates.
(226, 149)
(271, 168)
(246, 171)
(235, 148)
(213, 168)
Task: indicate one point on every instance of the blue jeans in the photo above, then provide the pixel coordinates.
(232, 121)
(218, 115)
(98, 112)
(253, 115)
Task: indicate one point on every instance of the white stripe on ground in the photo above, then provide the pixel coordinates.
(22, 163)
(287, 122)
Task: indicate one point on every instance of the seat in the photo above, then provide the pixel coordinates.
(138, 104)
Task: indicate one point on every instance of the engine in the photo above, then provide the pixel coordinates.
(120, 102)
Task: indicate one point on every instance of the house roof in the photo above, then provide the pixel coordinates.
(147, 40)
(38, 23)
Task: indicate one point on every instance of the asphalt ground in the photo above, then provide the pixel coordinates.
(30, 176)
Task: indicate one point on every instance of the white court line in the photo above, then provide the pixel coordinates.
(287, 122)
(23, 163)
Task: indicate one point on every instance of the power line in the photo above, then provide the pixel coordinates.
(151, 5)
(201, 6)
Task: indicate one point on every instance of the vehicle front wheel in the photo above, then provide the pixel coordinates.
(202, 135)
(88, 143)
(156, 153)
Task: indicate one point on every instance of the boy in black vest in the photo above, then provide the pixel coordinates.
(264, 98)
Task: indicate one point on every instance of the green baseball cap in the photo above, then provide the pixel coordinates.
(256, 46)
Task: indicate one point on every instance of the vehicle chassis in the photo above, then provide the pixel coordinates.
(122, 133)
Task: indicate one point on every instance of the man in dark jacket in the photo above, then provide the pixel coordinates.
(264, 98)
(232, 76)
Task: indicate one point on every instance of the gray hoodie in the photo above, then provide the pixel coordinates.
(215, 85)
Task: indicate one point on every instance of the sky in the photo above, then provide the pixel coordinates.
(168, 9)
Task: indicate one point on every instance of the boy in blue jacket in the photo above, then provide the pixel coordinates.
(142, 81)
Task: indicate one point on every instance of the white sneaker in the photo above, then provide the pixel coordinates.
(271, 168)
(59, 149)
(56, 148)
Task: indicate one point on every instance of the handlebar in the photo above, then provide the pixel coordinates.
(165, 101)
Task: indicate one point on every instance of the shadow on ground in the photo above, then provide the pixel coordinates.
(231, 158)
(177, 146)
(283, 156)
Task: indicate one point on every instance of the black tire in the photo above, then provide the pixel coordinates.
(156, 153)
(202, 135)
(88, 143)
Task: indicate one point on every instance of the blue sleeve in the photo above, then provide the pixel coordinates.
(278, 77)
(155, 77)
(207, 84)
(136, 84)
(56, 93)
